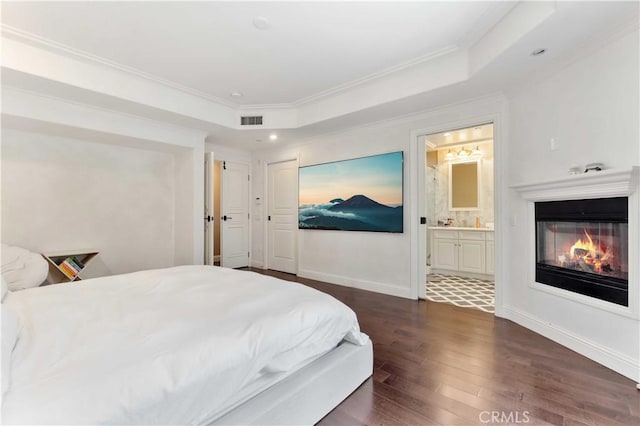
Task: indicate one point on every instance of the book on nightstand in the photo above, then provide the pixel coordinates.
(72, 262)
(66, 267)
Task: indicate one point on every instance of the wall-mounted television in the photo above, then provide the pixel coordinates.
(361, 194)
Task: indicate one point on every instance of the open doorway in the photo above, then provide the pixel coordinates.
(459, 208)
(217, 168)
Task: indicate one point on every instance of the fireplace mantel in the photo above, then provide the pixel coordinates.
(603, 184)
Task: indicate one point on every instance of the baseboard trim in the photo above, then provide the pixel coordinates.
(616, 361)
(257, 264)
(355, 283)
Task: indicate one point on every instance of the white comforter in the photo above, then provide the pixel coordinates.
(168, 346)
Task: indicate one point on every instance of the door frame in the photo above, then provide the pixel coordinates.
(265, 248)
(221, 157)
(417, 192)
(209, 201)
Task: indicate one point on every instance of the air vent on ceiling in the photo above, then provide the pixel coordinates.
(251, 120)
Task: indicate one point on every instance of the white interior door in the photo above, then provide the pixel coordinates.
(283, 216)
(235, 215)
(209, 232)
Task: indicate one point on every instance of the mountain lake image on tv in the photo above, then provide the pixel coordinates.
(363, 194)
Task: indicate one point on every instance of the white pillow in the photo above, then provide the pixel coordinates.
(22, 269)
(10, 331)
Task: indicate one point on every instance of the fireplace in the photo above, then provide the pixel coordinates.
(582, 246)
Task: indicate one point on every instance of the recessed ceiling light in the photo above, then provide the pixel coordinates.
(261, 23)
(273, 137)
(538, 52)
(236, 94)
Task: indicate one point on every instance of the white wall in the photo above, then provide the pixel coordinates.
(591, 109)
(374, 261)
(60, 194)
(32, 112)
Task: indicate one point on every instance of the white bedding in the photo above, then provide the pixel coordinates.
(170, 346)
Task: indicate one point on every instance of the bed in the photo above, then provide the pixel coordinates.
(183, 345)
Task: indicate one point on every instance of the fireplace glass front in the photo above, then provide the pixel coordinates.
(582, 246)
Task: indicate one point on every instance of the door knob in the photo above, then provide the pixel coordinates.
(225, 217)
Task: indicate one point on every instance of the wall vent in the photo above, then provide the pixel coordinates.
(251, 120)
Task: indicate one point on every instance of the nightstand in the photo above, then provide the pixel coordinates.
(66, 266)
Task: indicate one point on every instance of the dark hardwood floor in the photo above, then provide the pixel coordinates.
(440, 364)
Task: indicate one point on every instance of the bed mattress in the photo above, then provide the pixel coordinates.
(171, 346)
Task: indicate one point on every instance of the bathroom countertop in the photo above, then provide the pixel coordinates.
(460, 228)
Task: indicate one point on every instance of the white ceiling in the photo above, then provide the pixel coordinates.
(313, 52)
(214, 48)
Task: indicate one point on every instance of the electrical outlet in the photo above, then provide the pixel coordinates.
(553, 144)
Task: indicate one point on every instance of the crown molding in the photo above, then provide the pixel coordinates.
(63, 49)
(377, 75)
(391, 121)
(59, 48)
(149, 121)
(252, 107)
(486, 23)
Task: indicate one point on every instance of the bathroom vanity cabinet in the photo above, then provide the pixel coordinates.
(466, 250)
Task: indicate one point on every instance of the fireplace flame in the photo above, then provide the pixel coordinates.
(591, 254)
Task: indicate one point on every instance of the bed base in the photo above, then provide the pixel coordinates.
(306, 396)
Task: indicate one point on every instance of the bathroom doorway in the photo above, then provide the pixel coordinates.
(459, 208)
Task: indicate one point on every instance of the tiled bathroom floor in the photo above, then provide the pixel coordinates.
(461, 291)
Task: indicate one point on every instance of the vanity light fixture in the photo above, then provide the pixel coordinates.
(463, 153)
(476, 152)
(450, 156)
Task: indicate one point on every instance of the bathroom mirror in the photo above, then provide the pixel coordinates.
(464, 185)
